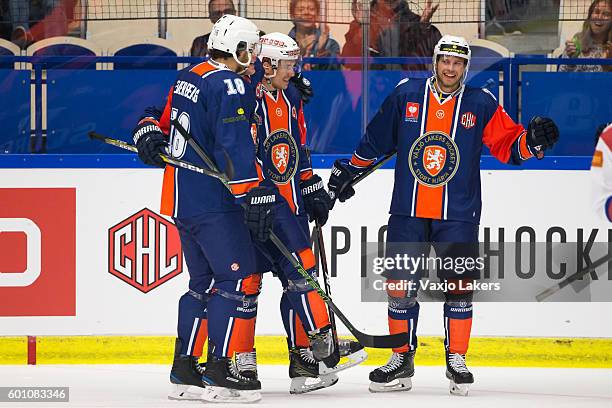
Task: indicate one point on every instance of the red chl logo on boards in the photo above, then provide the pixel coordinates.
(144, 250)
(38, 251)
(412, 112)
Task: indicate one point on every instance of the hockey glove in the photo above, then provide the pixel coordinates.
(316, 199)
(259, 210)
(150, 142)
(304, 86)
(542, 134)
(339, 184)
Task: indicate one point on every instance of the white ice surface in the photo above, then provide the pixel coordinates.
(147, 386)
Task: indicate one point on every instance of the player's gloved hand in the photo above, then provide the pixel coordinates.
(542, 134)
(339, 183)
(316, 199)
(150, 142)
(304, 86)
(259, 210)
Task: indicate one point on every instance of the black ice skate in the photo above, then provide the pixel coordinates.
(396, 375)
(351, 354)
(304, 372)
(246, 363)
(458, 374)
(225, 384)
(186, 375)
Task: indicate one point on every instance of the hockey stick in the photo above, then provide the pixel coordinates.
(573, 277)
(371, 168)
(174, 162)
(384, 341)
(326, 277)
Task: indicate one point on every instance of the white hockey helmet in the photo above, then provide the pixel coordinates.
(276, 47)
(233, 34)
(453, 46)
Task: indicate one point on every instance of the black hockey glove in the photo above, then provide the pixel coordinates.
(339, 185)
(150, 142)
(304, 86)
(316, 199)
(259, 210)
(542, 134)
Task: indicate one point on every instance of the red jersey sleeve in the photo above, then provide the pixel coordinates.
(505, 138)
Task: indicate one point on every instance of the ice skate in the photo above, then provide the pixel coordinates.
(246, 363)
(458, 374)
(304, 372)
(351, 354)
(396, 375)
(186, 376)
(224, 384)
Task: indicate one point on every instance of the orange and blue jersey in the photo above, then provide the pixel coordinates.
(281, 150)
(216, 107)
(439, 141)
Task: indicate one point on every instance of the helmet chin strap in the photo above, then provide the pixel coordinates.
(245, 66)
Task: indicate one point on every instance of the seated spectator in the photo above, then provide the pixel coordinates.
(395, 31)
(216, 9)
(594, 41)
(54, 22)
(313, 41)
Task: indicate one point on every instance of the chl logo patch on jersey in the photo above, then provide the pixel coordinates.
(434, 159)
(281, 157)
(468, 120)
(412, 112)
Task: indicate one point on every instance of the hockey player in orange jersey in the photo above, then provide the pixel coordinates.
(438, 128)
(284, 160)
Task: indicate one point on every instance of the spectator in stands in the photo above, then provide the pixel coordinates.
(395, 31)
(314, 39)
(594, 41)
(56, 14)
(216, 9)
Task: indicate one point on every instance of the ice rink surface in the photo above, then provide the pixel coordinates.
(147, 386)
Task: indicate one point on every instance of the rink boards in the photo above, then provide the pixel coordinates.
(79, 241)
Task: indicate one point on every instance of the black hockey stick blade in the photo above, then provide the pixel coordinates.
(369, 340)
(573, 277)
